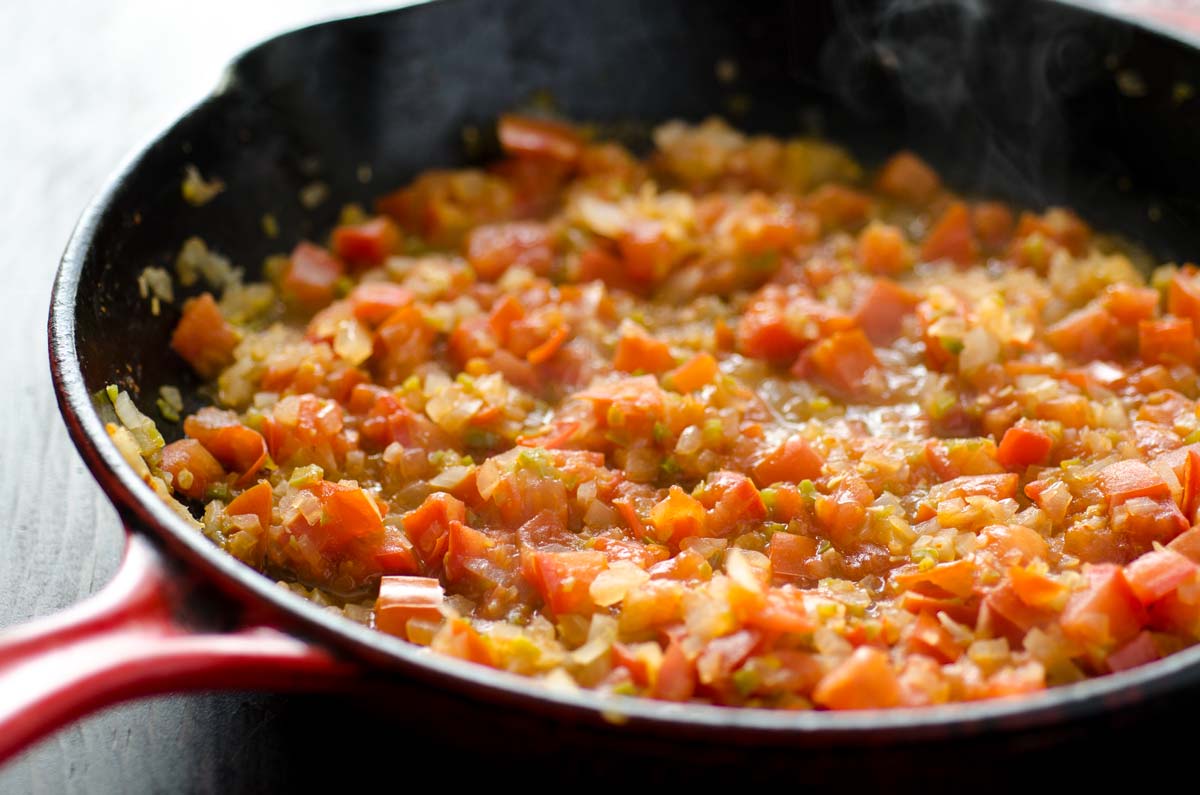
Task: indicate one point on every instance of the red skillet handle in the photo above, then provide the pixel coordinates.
(125, 642)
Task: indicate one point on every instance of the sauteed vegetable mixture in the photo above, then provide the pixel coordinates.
(737, 423)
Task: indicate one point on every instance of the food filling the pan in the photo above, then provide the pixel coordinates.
(737, 423)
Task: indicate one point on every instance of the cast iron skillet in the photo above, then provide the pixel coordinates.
(1034, 101)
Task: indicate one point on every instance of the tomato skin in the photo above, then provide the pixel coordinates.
(204, 338)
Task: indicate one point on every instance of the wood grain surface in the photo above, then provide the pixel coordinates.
(82, 83)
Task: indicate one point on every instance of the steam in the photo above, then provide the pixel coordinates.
(990, 110)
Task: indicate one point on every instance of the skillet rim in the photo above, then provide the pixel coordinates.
(143, 512)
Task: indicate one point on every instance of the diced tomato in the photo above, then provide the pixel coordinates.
(1014, 543)
(368, 243)
(395, 553)
(864, 680)
(782, 610)
(882, 248)
(1005, 613)
(908, 178)
(956, 578)
(926, 635)
(1168, 342)
(563, 578)
(458, 638)
(1038, 590)
(524, 136)
(374, 302)
(1131, 478)
(1155, 574)
(997, 487)
(255, 501)
(838, 206)
(697, 372)
(203, 470)
(1023, 446)
(203, 337)
(646, 251)
(428, 526)
(993, 223)
(1085, 334)
(238, 448)
(792, 461)
(464, 544)
(843, 360)
(1129, 303)
(1139, 651)
(494, 248)
(543, 352)
(843, 513)
(1187, 544)
(1058, 225)
(1106, 613)
(679, 515)
(404, 598)
(882, 310)
(349, 511)
(311, 275)
(1183, 295)
(637, 351)
(404, 341)
(732, 499)
(676, 680)
(951, 237)
(790, 555)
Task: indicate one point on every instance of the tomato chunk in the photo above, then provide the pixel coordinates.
(402, 599)
(368, 243)
(524, 136)
(865, 680)
(1023, 446)
(238, 448)
(311, 275)
(192, 467)
(204, 338)
(792, 461)
(254, 501)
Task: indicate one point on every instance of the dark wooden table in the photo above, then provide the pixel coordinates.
(81, 84)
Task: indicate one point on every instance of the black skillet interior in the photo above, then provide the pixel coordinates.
(1040, 103)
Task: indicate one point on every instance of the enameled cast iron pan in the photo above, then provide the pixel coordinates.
(1038, 102)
